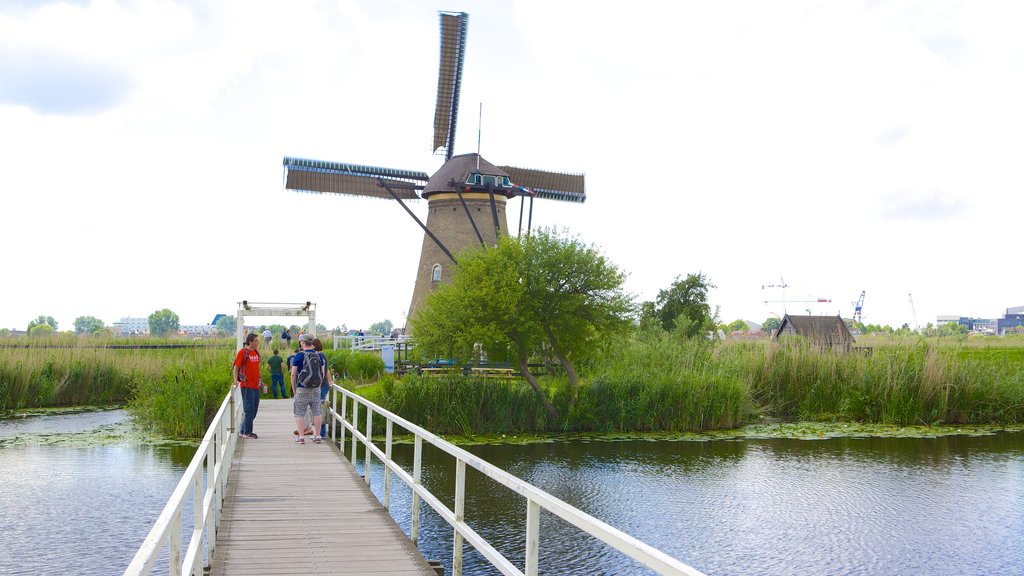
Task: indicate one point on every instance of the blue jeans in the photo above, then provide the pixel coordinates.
(251, 404)
(275, 379)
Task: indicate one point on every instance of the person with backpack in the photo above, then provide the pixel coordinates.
(325, 388)
(308, 374)
(245, 373)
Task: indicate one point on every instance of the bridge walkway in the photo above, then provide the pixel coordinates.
(303, 509)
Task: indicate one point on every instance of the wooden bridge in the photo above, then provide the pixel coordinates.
(276, 518)
(271, 506)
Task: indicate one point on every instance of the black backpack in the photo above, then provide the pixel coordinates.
(312, 373)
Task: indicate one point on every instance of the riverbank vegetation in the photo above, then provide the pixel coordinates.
(659, 382)
(641, 381)
(172, 386)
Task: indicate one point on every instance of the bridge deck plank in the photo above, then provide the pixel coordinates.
(302, 509)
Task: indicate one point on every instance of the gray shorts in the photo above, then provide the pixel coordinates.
(306, 398)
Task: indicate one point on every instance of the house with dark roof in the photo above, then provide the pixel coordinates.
(824, 332)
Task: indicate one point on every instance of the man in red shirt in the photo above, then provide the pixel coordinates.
(246, 373)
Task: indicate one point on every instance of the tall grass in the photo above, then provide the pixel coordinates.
(181, 401)
(174, 390)
(456, 404)
(660, 382)
(915, 382)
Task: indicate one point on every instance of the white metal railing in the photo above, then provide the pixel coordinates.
(211, 463)
(536, 499)
(350, 342)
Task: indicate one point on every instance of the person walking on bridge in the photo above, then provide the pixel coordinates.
(307, 377)
(276, 374)
(246, 375)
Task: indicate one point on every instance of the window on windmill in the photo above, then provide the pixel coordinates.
(435, 276)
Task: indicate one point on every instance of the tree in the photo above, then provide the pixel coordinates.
(227, 325)
(737, 325)
(40, 330)
(88, 325)
(683, 307)
(771, 323)
(382, 327)
(47, 320)
(526, 295)
(163, 322)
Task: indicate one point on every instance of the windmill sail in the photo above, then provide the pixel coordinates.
(334, 177)
(549, 185)
(449, 79)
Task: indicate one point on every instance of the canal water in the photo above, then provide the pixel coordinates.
(79, 492)
(853, 506)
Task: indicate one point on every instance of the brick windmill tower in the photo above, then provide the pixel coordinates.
(466, 197)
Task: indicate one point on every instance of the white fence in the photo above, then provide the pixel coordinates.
(206, 479)
(536, 499)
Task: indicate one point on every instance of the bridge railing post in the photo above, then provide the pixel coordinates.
(334, 413)
(532, 537)
(355, 427)
(341, 432)
(369, 441)
(387, 468)
(460, 515)
(417, 463)
(231, 410)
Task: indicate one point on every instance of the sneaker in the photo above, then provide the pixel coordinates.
(300, 440)
(253, 436)
(247, 436)
(317, 439)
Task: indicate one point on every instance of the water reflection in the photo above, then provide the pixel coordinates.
(946, 505)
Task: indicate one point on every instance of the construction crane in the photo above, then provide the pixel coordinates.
(858, 306)
(798, 301)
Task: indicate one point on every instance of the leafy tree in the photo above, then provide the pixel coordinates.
(682, 307)
(953, 329)
(163, 322)
(88, 325)
(47, 320)
(771, 323)
(227, 325)
(536, 293)
(737, 325)
(382, 327)
(40, 330)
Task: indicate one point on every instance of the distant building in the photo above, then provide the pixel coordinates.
(1012, 321)
(197, 330)
(131, 326)
(824, 332)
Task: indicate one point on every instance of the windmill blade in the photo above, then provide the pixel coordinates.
(319, 176)
(549, 185)
(449, 79)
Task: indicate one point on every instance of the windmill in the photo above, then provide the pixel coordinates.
(466, 197)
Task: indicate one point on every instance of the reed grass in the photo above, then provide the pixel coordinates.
(456, 404)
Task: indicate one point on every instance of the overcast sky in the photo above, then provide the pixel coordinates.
(831, 146)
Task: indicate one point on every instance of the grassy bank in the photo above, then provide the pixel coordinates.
(638, 384)
(172, 390)
(659, 383)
